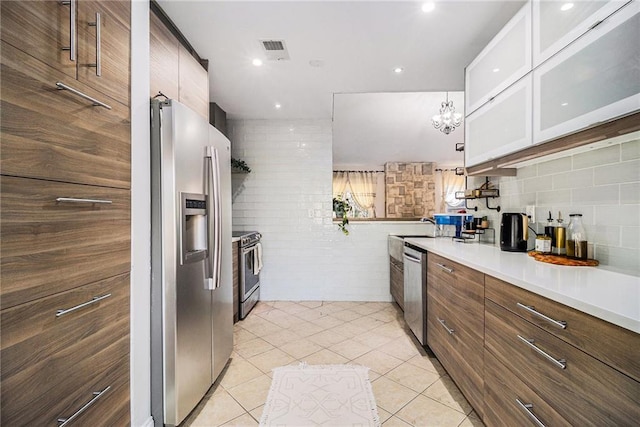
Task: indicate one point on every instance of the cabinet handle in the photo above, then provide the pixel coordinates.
(411, 258)
(98, 63)
(444, 325)
(94, 300)
(528, 408)
(97, 395)
(445, 268)
(74, 200)
(96, 103)
(72, 28)
(560, 363)
(531, 309)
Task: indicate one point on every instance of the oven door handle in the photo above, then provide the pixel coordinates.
(212, 280)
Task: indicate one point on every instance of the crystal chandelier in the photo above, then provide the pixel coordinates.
(448, 120)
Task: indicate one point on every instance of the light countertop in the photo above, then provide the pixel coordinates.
(604, 294)
(235, 239)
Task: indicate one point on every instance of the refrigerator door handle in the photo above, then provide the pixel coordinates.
(212, 280)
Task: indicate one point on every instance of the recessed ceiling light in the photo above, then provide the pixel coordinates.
(428, 6)
(278, 106)
(495, 70)
(566, 7)
(398, 70)
(257, 62)
(564, 104)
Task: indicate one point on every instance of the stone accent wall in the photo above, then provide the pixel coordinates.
(410, 189)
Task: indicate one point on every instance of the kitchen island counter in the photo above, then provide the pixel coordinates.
(607, 295)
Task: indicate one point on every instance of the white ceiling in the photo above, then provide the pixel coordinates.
(359, 43)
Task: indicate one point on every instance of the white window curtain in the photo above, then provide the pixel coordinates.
(340, 180)
(450, 184)
(363, 190)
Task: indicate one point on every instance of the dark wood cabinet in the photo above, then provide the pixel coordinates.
(396, 279)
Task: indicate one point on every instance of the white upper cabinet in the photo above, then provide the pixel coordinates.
(557, 23)
(504, 61)
(595, 79)
(501, 126)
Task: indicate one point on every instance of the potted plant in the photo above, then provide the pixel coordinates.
(342, 208)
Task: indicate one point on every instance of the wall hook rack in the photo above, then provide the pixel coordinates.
(481, 193)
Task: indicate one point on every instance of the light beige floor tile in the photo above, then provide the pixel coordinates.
(251, 348)
(295, 308)
(271, 359)
(244, 420)
(310, 304)
(324, 357)
(373, 375)
(390, 395)
(413, 377)
(345, 304)
(305, 329)
(278, 339)
(426, 412)
(241, 335)
(257, 413)
(300, 348)
(345, 315)
(428, 363)
(395, 422)
(350, 330)
(312, 314)
(365, 309)
(378, 361)
(261, 307)
(445, 391)
(328, 308)
(372, 339)
(328, 322)
(258, 326)
(282, 304)
(280, 318)
(390, 330)
(238, 372)
(472, 420)
(384, 316)
(219, 409)
(350, 348)
(383, 415)
(403, 348)
(327, 338)
(253, 393)
(367, 323)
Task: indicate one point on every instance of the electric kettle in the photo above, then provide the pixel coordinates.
(514, 232)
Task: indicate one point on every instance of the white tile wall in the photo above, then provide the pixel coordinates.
(602, 184)
(287, 197)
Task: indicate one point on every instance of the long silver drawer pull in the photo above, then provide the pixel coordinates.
(560, 363)
(75, 200)
(445, 268)
(410, 258)
(531, 309)
(98, 63)
(94, 300)
(96, 103)
(528, 408)
(96, 395)
(72, 28)
(444, 325)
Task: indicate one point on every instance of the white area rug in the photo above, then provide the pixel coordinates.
(320, 395)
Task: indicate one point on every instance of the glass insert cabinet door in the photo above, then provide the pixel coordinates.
(593, 80)
(557, 23)
(502, 126)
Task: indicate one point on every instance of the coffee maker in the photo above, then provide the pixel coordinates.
(514, 231)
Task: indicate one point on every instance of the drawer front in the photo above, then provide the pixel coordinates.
(460, 352)
(50, 246)
(54, 134)
(503, 390)
(586, 391)
(52, 362)
(396, 277)
(461, 289)
(609, 343)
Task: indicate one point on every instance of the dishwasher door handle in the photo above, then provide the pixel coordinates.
(411, 258)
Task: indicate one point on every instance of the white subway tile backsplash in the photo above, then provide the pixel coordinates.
(608, 235)
(630, 150)
(539, 183)
(555, 197)
(576, 179)
(528, 171)
(554, 166)
(597, 157)
(630, 238)
(600, 195)
(617, 173)
(630, 193)
(622, 259)
(628, 215)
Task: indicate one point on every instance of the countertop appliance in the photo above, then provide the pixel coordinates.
(514, 231)
(415, 291)
(249, 275)
(191, 266)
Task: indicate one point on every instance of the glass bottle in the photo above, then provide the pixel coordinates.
(576, 238)
(560, 233)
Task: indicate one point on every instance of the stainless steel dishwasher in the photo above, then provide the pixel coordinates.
(415, 292)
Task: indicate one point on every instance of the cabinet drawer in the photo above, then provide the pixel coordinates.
(396, 277)
(609, 343)
(53, 134)
(585, 392)
(502, 388)
(460, 352)
(52, 362)
(50, 246)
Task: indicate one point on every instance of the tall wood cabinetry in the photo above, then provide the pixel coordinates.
(65, 203)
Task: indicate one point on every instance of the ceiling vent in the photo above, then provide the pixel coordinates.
(275, 50)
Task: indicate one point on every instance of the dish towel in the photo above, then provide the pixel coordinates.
(257, 259)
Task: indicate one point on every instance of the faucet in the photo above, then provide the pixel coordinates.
(428, 220)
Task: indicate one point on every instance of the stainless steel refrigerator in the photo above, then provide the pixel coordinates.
(191, 267)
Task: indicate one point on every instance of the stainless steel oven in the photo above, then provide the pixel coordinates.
(249, 275)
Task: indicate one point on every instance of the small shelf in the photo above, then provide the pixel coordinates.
(480, 235)
(477, 194)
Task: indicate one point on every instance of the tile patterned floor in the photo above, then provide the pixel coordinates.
(411, 388)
